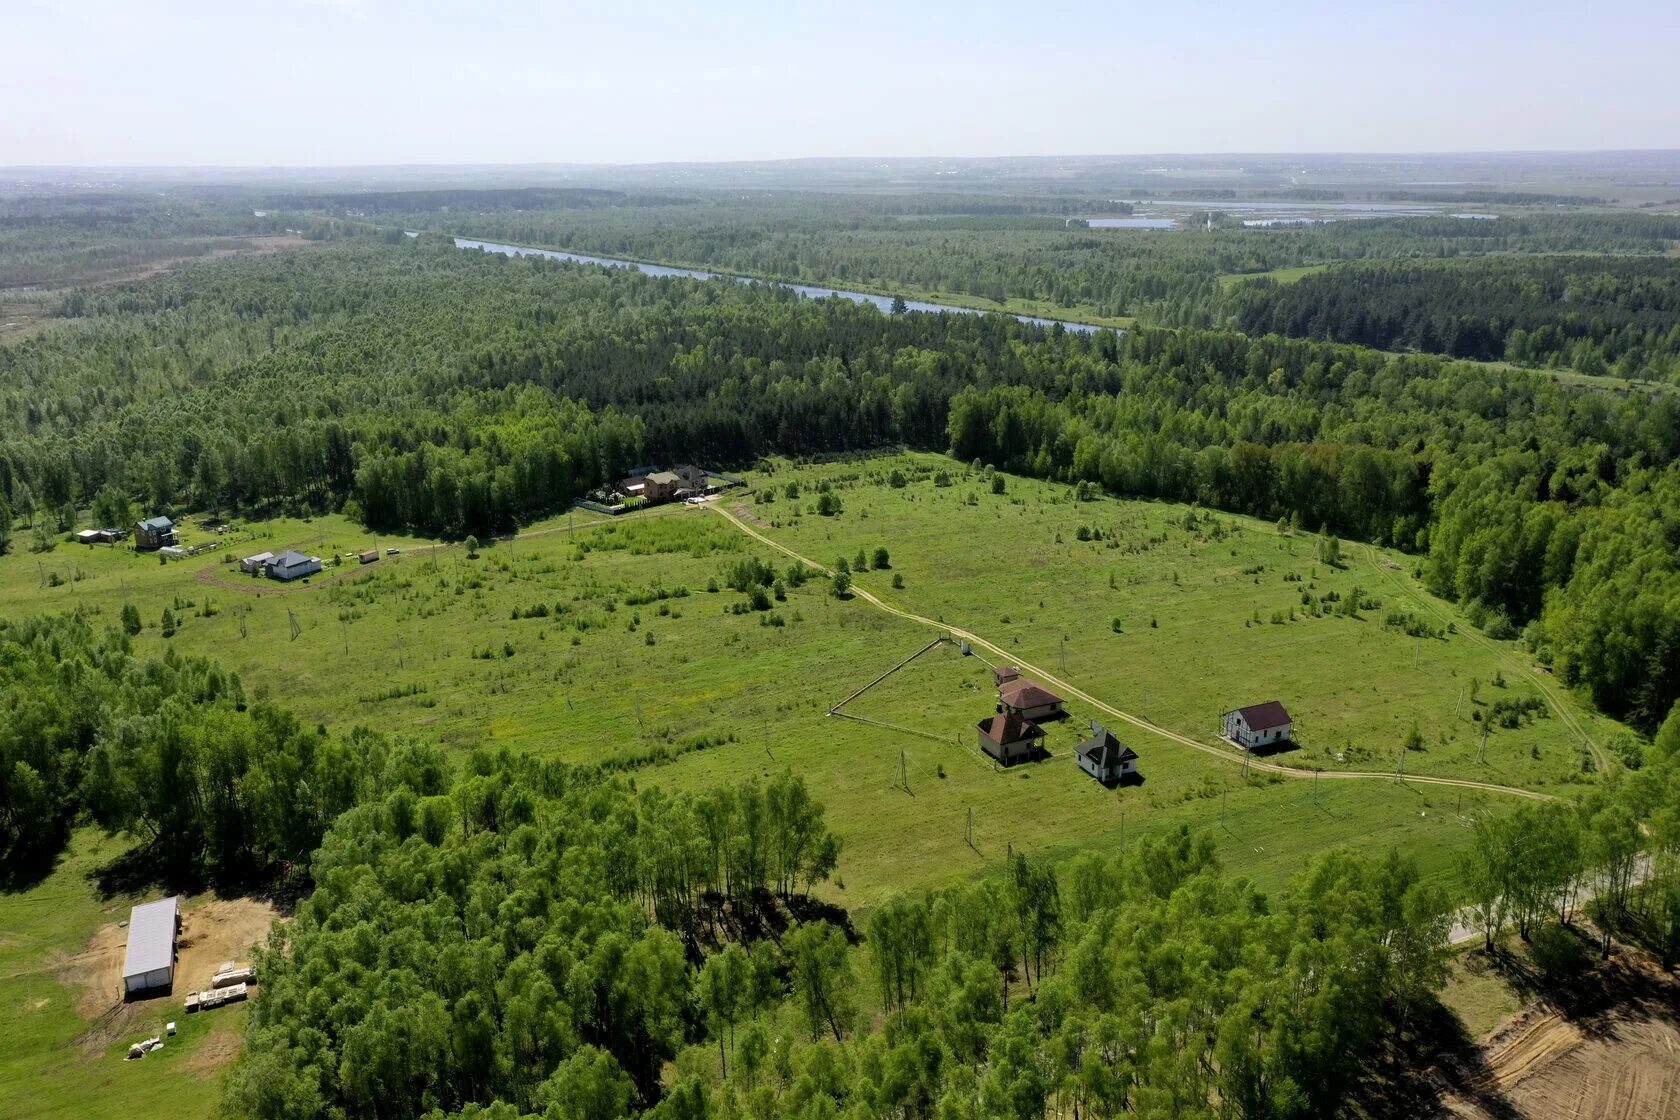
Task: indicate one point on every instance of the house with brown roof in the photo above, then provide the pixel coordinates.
(1259, 725)
(1105, 757)
(1002, 675)
(1010, 738)
(1029, 699)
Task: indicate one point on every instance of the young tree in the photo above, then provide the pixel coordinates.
(842, 584)
(130, 619)
(883, 559)
(822, 976)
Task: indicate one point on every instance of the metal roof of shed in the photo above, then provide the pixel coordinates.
(151, 937)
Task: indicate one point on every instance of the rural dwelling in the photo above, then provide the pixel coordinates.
(369, 556)
(255, 563)
(692, 477)
(1105, 757)
(291, 564)
(1260, 725)
(1009, 738)
(150, 961)
(153, 533)
(1029, 699)
(661, 486)
(1001, 677)
(99, 536)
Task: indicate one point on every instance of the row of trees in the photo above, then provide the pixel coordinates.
(1615, 853)
(461, 960)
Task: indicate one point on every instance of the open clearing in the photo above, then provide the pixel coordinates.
(602, 642)
(66, 1028)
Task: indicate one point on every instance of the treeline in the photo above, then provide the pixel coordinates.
(1615, 855)
(439, 200)
(492, 950)
(1591, 314)
(167, 750)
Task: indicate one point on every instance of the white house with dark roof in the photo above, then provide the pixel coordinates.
(1259, 725)
(1105, 757)
(291, 564)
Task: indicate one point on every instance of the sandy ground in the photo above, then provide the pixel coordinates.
(212, 931)
(1621, 1062)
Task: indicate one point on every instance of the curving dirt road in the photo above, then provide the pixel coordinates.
(1221, 753)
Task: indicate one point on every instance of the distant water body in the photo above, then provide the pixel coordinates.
(882, 302)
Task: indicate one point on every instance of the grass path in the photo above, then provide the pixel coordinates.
(1537, 678)
(1137, 721)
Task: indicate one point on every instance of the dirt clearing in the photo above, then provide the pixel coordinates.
(212, 931)
(1616, 1058)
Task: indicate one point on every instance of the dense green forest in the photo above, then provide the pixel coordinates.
(454, 393)
(168, 750)
(1592, 314)
(1172, 279)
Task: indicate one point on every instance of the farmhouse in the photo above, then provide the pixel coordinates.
(1029, 699)
(150, 961)
(1010, 738)
(291, 564)
(1259, 725)
(1105, 757)
(661, 486)
(692, 478)
(153, 533)
(255, 563)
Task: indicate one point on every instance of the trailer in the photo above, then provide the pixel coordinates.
(216, 997)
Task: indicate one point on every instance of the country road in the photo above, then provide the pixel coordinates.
(1229, 756)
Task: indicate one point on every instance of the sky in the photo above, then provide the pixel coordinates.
(359, 82)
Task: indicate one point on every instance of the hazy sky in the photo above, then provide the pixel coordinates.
(516, 81)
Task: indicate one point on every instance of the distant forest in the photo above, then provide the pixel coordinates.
(421, 387)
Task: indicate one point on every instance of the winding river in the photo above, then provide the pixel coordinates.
(882, 302)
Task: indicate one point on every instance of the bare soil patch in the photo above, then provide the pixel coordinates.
(213, 930)
(1609, 1051)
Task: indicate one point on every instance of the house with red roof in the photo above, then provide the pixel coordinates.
(1029, 699)
(1259, 725)
(1010, 738)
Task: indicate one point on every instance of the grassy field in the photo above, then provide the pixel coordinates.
(619, 641)
(61, 1042)
(623, 655)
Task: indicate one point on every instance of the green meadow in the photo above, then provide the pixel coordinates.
(620, 643)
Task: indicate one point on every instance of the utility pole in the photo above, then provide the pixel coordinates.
(1460, 702)
(1481, 751)
(971, 828)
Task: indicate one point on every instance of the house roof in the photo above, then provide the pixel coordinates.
(1022, 693)
(290, 558)
(1010, 728)
(259, 558)
(1259, 717)
(1105, 747)
(157, 523)
(151, 937)
(1002, 676)
(664, 478)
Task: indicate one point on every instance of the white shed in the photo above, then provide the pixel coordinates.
(150, 962)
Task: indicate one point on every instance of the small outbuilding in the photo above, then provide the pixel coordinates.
(153, 533)
(368, 556)
(1009, 738)
(99, 536)
(1259, 725)
(150, 960)
(1004, 674)
(1029, 699)
(291, 564)
(1105, 757)
(255, 563)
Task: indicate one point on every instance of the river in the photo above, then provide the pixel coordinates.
(882, 302)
